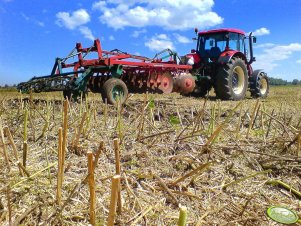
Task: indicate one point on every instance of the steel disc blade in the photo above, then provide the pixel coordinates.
(166, 83)
(185, 83)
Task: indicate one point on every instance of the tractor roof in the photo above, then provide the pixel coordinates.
(222, 30)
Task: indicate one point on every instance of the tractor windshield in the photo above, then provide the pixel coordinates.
(213, 44)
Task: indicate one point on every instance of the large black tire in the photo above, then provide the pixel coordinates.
(231, 82)
(260, 86)
(114, 90)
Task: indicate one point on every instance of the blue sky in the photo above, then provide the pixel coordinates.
(33, 33)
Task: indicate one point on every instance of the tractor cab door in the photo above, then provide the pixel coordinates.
(236, 42)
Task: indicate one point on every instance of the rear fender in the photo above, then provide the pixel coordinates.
(226, 56)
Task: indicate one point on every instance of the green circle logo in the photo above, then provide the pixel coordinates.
(282, 215)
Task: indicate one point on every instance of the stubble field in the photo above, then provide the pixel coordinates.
(226, 161)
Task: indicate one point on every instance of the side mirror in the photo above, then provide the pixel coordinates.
(193, 51)
(254, 39)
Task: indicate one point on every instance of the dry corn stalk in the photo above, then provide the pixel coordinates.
(114, 192)
(65, 130)
(4, 148)
(91, 187)
(118, 172)
(60, 169)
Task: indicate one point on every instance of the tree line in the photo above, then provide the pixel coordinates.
(282, 82)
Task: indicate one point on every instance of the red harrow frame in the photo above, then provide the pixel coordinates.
(114, 74)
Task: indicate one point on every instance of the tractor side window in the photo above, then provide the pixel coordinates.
(221, 44)
(234, 41)
(241, 43)
(210, 42)
(211, 45)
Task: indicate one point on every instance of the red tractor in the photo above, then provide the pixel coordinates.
(222, 60)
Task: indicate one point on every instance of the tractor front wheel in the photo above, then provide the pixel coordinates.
(260, 87)
(115, 91)
(232, 80)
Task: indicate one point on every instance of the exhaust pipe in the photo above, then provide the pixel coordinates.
(252, 58)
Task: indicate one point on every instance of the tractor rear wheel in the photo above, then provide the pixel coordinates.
(115, 91)
(232, 80)
(260, 87)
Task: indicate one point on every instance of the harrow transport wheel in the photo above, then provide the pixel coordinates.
(166, 83)
(114, 90)
(260, 85)
(232, 80)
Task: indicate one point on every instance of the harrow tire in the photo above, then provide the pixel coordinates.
(231, 82)
(260, 86)
(114, 90)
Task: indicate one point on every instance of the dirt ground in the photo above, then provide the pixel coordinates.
(224, 160)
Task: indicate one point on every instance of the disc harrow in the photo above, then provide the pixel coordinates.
(138, 74)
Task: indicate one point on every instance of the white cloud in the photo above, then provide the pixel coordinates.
(182, 39)
(111, 38)
(270, 56)
(87, 33)
(33, 20)
(298, 61)
(100, 5)
(159, 43)
(264, 45)
(261, 31)
(40, 23)
(137, 33)
(76, 19)
(25, 16)
(169, 14)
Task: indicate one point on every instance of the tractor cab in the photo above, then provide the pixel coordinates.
(211, 44)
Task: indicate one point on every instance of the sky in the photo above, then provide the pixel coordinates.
(34, 32)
